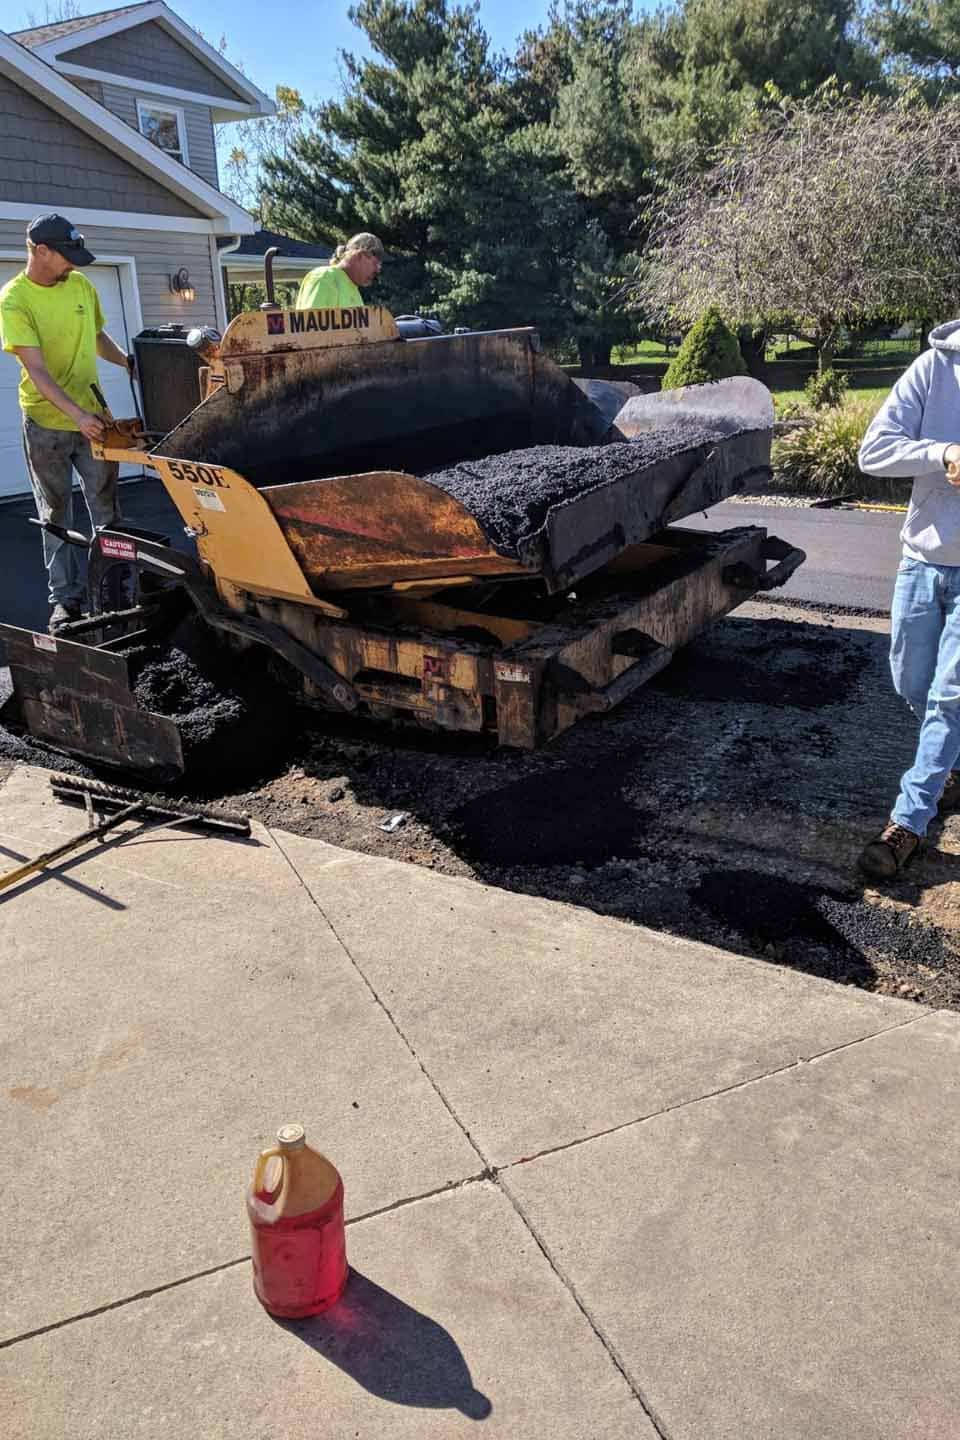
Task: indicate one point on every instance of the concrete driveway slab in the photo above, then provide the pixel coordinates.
(543, 1024)
(453, 1324)
(776, 1261)
(907, 1078)
(157, 1026)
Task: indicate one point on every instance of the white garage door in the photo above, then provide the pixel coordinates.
(113, 381)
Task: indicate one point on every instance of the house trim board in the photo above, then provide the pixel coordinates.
(219, 288)
(54, 49)
(243, 264)
(232, 109)
(125, 219)
(61, 95)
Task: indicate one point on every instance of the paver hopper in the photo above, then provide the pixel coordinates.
(447, 530)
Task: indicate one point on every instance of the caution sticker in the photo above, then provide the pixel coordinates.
(117, 549)
(209, 499)
(512, 672)
(44, 642)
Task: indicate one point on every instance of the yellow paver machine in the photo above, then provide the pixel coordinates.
(445, 530)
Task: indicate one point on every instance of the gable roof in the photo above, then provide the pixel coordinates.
(23, 67)
(56, 42)
(40, 34)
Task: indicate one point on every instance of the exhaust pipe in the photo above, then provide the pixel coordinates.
(271, 301)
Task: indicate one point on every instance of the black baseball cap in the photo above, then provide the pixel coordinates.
(59, 234)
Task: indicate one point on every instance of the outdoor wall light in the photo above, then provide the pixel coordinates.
(180, 285)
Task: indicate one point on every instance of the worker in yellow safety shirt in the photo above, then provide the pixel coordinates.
(52, 321)
(335, 286)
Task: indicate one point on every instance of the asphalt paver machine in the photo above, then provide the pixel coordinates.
(445, 530)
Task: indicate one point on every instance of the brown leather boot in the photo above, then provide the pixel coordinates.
(886, 856)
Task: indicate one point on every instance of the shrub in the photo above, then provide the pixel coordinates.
(821, 458)
(826, 388)
(710, 351)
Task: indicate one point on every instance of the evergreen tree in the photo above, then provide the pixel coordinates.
(922, 37)
(709, 351)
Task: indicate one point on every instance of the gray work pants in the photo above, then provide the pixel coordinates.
(52, 457)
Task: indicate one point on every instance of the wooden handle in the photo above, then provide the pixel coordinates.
(42, 861)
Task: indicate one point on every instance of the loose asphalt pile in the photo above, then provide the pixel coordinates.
(726, 802)
(512, 494)
(233, 718)
(230, 711)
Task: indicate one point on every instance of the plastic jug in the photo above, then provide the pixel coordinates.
(295, 1205)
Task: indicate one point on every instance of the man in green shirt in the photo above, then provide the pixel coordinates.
(51, 320)
(334, 286)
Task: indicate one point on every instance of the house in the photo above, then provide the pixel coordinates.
(242, 259)
(110, 119)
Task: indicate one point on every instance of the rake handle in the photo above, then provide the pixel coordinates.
(40, 862)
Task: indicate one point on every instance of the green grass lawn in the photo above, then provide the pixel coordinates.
(883, 353)
(873, 394)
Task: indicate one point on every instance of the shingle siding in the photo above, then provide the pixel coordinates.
(147, 52)
(44, 160)
(158, 255)
(93, 88)
(201, 145)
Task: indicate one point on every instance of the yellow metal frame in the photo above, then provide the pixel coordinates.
(236, 532)
(267, 332)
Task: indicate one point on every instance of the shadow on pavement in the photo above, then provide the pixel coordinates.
(393, 1351)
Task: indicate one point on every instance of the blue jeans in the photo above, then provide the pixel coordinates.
(52, 457)
(925, 662)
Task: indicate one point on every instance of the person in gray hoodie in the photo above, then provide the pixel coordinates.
(916, 435)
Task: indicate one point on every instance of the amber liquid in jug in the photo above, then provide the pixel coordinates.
(295, 1205)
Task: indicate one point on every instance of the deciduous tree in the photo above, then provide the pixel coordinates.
(832, 212)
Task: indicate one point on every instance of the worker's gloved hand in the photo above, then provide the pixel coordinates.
(132, 365)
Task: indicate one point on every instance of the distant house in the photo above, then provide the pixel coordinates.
(242, 259)
(110, 119)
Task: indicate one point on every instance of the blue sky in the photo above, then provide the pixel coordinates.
(291, 42)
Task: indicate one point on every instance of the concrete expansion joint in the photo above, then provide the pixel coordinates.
(489, 1172)
(451, 1187)
(119, 1304)
(378, 1000)
(922, 1014)
(564, 1279)
(793, 1065)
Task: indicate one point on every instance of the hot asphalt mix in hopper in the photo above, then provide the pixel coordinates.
(444, 530)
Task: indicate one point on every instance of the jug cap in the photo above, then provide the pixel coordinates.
(292, 1137)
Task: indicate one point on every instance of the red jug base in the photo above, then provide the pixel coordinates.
(301, 1312)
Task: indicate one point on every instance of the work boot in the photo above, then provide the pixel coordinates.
(886, 856)
(950, 799)
(62, 615)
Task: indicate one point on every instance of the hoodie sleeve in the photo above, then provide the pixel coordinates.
(894, 443)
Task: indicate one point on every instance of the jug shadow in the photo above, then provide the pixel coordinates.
(392, 1350)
